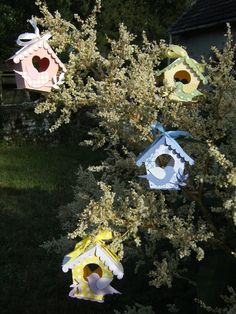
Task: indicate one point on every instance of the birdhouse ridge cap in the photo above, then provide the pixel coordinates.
(170, 66)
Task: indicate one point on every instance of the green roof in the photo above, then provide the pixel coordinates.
(191, 63)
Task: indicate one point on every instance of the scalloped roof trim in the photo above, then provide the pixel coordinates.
(177, 149)
(115, 267)
(172, 145)
(190, 64)
(28, 50)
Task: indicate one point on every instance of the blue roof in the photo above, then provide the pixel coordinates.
(168, 141)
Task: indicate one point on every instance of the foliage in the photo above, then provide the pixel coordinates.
(137, 309)
(229, 300)
(9, 18)
(155, 17)
(121, 93)
(13, 16)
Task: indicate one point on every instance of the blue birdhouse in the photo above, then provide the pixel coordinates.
(165, 160)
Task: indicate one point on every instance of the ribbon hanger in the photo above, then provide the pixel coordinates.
(157, 126)
(27, 39)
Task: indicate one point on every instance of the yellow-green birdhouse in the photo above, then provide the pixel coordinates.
(183, 75)
(93, 267)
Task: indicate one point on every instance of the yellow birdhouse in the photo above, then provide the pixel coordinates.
(184, 75)
(93, 266)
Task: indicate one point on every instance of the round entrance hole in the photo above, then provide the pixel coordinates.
(183, 77)
(163, 160)
(90, 269)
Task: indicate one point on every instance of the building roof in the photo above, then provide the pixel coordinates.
(172, 145)
(36, 45)
(204, 14)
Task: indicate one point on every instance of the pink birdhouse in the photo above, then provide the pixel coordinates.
(36, 65)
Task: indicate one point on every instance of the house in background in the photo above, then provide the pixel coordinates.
(203, 26)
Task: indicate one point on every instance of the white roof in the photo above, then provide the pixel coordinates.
(115, 267)
(172, 145)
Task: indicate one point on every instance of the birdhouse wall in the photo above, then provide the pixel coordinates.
(170, 80)
(81, 271)
(165, 176)
(20, 82)
(42, 53)
(38, 70)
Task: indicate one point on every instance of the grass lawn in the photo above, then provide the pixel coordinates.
(34, 181)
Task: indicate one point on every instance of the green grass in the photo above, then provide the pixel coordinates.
(34, 181)
(46, 167)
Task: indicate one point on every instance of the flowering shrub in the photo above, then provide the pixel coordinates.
(122, 94)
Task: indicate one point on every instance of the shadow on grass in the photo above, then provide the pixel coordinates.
(32, 280)
(34, 182)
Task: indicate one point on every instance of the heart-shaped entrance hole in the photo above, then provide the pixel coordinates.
(40, 65)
